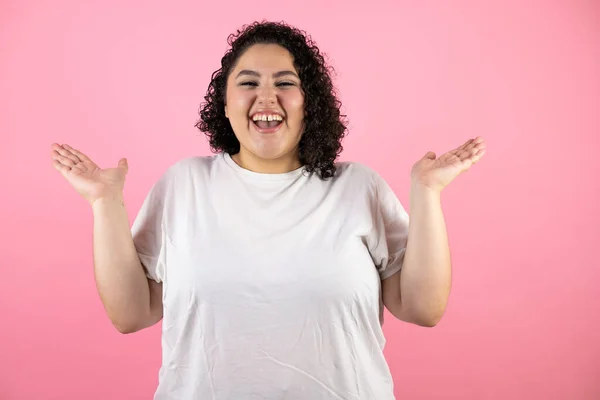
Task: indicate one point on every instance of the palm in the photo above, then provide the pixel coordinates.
(438, 172)
(86, 177)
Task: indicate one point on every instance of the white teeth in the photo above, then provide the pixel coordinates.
(264, 117)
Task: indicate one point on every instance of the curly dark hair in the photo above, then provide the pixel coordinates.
(324, 125)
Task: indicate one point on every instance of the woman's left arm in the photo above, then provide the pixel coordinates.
(419, 292)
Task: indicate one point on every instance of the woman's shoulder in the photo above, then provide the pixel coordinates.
(354, 170)
(360, 175)
(190, 164)
(194, 162)
(180, 171)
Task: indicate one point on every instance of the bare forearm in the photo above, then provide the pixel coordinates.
(426, 272)
(120, 278)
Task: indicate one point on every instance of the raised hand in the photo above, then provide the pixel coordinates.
(437, 173)
(87, 178)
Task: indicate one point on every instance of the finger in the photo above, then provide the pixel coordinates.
(478, 156)
(473, 143)
(65, 152)
(477, 144)
(66, 171)
(63, 169)
(471, 149)
(80, 167)
(123, 164)
(79, 154)
(465, 146)
(62, 159)
(477, 151)
(430, 155)
(473, 152)
(472, 156)
(464, 154)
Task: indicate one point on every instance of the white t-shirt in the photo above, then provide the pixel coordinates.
(271, 282)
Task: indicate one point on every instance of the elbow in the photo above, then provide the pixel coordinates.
(125, 328)
(427, 321)
(427, 318)
(132, 325)
(128, 321)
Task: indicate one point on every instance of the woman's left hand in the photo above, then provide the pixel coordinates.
(437, 173)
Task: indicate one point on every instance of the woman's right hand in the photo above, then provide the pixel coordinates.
(89, 180)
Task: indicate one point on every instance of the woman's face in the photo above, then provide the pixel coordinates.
(265, 106)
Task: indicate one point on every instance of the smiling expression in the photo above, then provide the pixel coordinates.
(265, 106)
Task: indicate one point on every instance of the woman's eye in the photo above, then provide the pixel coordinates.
(278, 84)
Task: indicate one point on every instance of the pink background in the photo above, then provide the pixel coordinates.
(125, 79)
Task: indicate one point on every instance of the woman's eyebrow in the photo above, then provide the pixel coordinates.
(247, 72)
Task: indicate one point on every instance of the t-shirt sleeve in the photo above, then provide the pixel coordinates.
(148, 231)
(390, 230)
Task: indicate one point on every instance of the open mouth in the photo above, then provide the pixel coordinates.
(267, 122)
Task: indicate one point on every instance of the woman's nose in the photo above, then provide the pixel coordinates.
(267, 96)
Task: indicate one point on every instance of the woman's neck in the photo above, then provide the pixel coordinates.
(251, 162)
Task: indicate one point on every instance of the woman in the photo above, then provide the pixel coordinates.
(269, 262)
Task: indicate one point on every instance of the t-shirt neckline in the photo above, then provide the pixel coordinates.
(260, 176)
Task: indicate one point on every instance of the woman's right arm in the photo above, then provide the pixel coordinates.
(131, 300)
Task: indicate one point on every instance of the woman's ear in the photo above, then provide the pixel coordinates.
(226, 113)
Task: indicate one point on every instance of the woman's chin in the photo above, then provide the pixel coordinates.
(269, 154)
